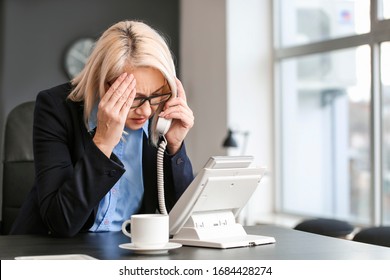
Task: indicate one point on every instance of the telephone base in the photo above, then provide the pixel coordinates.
(228, 242)
(227, 236)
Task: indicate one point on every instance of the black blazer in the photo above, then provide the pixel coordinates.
(72, 175)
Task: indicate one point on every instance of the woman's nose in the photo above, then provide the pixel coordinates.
(145, 109)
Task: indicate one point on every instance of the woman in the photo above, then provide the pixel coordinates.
(95, 140)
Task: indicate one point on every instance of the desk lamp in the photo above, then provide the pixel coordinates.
(230, 142)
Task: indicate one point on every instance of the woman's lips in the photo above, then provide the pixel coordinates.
(139, 120)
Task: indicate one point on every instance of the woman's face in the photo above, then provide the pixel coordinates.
(150, 82)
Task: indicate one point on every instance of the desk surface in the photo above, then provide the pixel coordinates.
(290, 244)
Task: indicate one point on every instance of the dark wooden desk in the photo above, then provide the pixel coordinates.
(290, 245)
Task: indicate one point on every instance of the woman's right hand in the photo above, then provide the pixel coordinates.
(112, 112)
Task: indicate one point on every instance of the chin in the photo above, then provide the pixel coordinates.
(133, 126)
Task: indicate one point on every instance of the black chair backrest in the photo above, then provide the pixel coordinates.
(327, 227)
(18, 172)
(379, 235)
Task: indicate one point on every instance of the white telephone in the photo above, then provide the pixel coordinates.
(162, 128)
(163, 125)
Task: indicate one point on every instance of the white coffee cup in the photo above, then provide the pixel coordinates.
(149, 231)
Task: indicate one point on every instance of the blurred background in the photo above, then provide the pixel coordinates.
(303, 85)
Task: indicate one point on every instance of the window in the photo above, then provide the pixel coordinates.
(325, 122)
(384, 9)
(307, 21)
(332, 59)
(385, 83)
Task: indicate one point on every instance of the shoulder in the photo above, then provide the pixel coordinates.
(57, 98)
(57, 93)
(54, 103)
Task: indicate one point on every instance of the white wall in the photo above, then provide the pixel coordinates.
(226, 67)
(250, 91)
(203, 73)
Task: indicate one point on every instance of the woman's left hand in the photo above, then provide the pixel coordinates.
(182, 117)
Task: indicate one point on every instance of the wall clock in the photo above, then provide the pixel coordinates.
(76, 56)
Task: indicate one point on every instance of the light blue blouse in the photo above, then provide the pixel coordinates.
(125, 197)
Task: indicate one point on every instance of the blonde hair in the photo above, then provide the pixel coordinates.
(126, 44)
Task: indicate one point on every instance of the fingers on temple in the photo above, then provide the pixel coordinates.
(126, 105)
(127, 89)
(113, 88)
(119, 90)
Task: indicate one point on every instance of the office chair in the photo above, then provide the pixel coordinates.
(374, 235)
(327, 227)
(18, 163)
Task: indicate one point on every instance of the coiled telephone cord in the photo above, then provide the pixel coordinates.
(160, 175)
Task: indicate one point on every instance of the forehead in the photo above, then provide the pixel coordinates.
(148, 79)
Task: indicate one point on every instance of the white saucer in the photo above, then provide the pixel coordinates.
(163, 250)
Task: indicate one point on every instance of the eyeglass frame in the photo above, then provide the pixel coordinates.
(149, 98)
(144, 99)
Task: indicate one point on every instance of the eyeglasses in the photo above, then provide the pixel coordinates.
(153, 100)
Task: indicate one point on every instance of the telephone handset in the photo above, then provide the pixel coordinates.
(163, 125)
(162, 128)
